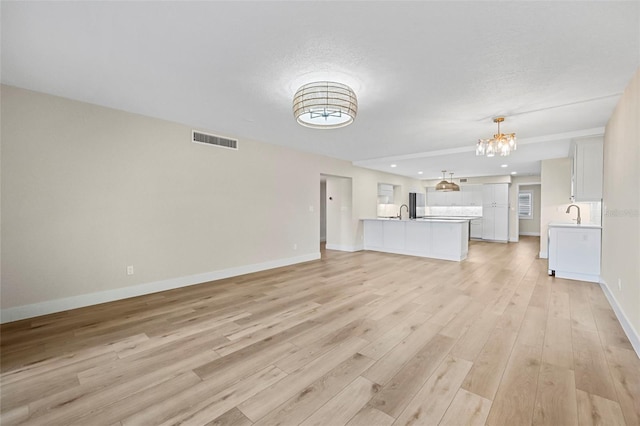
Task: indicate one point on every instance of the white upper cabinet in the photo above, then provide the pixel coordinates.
(495, 195)
(435, 198)
(586, 176)
(470, 195)
(442, 198)
(454, 198)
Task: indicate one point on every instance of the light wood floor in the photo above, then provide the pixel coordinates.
(356, 338)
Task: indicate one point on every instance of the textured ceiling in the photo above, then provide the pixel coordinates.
(429, 76)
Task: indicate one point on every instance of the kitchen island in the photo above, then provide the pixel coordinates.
(446, 239)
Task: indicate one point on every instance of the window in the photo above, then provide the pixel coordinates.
(525, 205)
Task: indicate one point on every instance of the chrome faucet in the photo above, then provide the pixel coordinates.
(577, 207)
(400, 212)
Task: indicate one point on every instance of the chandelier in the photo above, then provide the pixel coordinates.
(501, 143)
(325, 105)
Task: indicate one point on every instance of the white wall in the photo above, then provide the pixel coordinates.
(88, 190)
(621, 218)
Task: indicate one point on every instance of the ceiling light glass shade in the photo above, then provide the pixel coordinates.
(501, 144)
(325, 105)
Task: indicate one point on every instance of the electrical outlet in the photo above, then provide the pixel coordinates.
(295, 247)
(620, 284)
(130, 270)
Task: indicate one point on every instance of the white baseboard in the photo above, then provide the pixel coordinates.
(542, 255)
(432, 255)
(341, 247)
(632, 334)
(591, 278)
(530, 234)
(58, 305)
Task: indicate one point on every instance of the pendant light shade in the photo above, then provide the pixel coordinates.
(443, 185)
(325, 105)
(454, 186)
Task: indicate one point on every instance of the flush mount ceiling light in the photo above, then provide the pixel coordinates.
(325, 105)
(501, 143)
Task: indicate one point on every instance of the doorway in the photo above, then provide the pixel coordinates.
(528, 209)
(323, 210)
(336, 224)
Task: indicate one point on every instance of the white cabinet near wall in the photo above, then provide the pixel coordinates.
(495, 212)
(574, 251)
(586, 175)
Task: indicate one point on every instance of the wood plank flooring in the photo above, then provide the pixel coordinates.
(352, 339)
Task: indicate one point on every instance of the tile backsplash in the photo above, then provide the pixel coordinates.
(454, 211)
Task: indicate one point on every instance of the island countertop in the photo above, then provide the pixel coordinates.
(573, 225)
(421, 219)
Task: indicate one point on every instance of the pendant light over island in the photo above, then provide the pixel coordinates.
(445, 186)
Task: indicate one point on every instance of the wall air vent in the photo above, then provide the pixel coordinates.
(463, 180)
(208, 139)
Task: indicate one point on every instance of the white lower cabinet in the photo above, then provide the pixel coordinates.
(574, 251)
(476, 229)
(495, 223)
(393, 234)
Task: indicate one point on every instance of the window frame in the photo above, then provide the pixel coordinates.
(529, 194)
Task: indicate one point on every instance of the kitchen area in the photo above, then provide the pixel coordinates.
(486, 209)
(448, 215)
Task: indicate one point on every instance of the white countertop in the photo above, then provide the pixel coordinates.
(418, 220)
(452, 217)
(573, 225)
